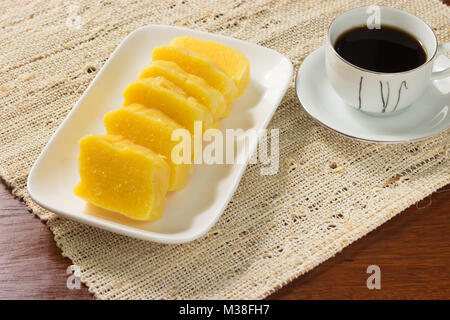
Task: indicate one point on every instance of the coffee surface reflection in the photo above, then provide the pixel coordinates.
(387, 49)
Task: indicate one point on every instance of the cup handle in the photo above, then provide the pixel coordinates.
(444, 47)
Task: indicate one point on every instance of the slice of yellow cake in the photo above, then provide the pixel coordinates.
(200, 66)
(191, 84)
(152, 129)
(161, 94)
(234, 63)
(121, 176)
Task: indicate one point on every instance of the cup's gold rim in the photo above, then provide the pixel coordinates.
(376, 72)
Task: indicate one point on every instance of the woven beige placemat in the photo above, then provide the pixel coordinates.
(329, 190)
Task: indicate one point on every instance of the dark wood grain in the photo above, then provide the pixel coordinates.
(412, 251)
(31, 265)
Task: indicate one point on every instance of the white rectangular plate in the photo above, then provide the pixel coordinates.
(189, 213)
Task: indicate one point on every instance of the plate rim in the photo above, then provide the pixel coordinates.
(119, 228)
(366, 140)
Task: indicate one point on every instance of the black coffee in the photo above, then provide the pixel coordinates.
(383, 50)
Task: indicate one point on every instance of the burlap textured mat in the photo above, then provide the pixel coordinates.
(328, 192)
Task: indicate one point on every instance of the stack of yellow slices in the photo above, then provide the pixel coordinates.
(129, 170)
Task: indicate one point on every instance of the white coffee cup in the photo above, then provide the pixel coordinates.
(378, 92)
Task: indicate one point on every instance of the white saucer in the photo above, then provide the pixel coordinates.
(428, 116)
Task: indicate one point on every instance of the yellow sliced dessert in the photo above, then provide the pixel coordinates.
(121, 176)
(152, 129)
(234, 63)
(193, 86)
(161, 94)
(200, 66)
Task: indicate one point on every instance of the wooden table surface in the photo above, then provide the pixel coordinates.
(412, 251)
